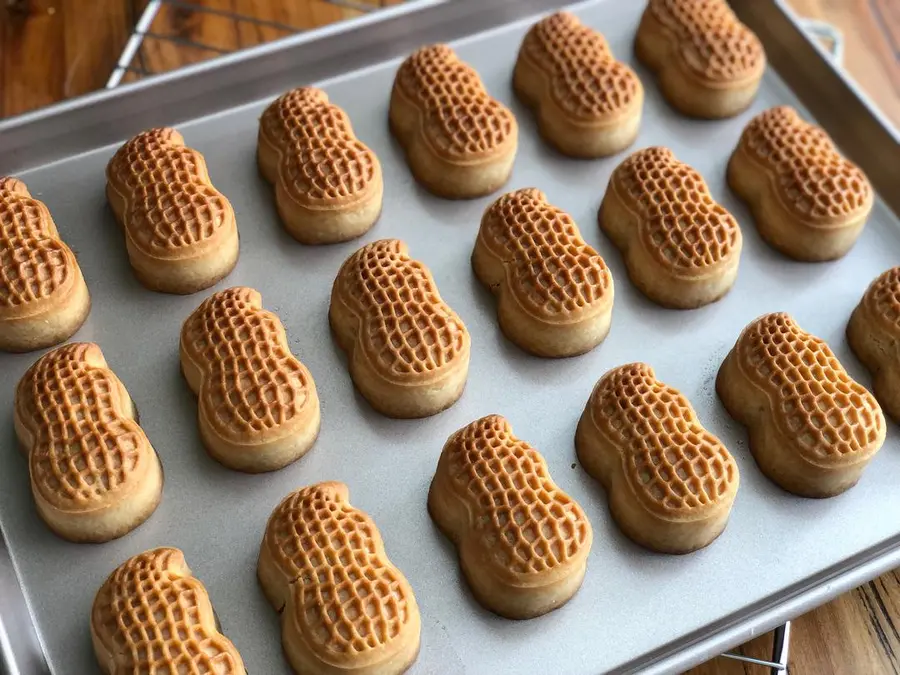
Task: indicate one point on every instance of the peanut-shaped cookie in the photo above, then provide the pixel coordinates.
(345, 607)
(681, 247)
(874, 334)
(94, 474)
(43, 297)
(813, 429)
(180, 231)
(554, 292)
(258, 409)
(459, 142)
(408, 351)
(808, 201)
(670, 482)
(708, 63)
(523, 543)
(154, 616)
(588, 104)
(328, 184)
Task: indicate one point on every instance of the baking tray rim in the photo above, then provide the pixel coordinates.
(679, 654)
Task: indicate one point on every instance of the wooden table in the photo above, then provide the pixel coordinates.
(55, 49)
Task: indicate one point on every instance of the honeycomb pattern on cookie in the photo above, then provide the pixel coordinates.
(34, 262)
(406, 328)
(813, 179)
(586, 81)
(323, 163)
(85, 446)
(171, 204)
(346, 593)
(460, 117)
(154, 617)
(551, 270)
(667, 455)
(830, 415)
(882, 299)
(681, 225)
(524, 522)
(251, 381)
(712, 41)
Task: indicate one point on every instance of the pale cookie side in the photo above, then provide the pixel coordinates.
(670, 482)
(328, 184)
(813, 429)
(94, 475)
(554, 292)
(523, 543)
(180, 232)
(682, 248)
(807, 200)
(43, 297)
(407, 350)
(346, 609)
(258, 409)
(459, 141)
(588, 104)
(708, 63)
(874, 335)
(152, 615)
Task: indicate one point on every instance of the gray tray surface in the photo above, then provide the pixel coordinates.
(633, 602)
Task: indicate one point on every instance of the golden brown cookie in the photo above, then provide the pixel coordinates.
(180, 231)
(328, 184)
(94, 474)
(808, 201)
(345, 608)
(554, 292)
(670, 483)
(153, 616)
(43, 297)
(709, 64)
(523, 543)
(588, 104)
(813, 429)
(258, 409)
(408, 351)
(874, 334)
(681, 247)
(459, 142)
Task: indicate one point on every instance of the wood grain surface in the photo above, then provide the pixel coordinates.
(55, 49)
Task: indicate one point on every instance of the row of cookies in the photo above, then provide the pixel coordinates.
(523, 543)
(681, 247)
(95, 476)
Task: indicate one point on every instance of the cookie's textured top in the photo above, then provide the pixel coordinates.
(681, 225)
(523, 523)
(153, 616)
(812, 179)
(85, 449)
(171, 207)
(405, 329)
(459, 118)
(551, 271)
(585, 80)
(712, 42)
(674, 465)
(252, 383)
(882, 300)
(830, 417)
(35, 264)
(352, 604)
(323, 164)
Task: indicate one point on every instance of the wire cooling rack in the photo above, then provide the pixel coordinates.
(131, 61)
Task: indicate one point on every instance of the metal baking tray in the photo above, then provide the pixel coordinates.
(637, 611)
